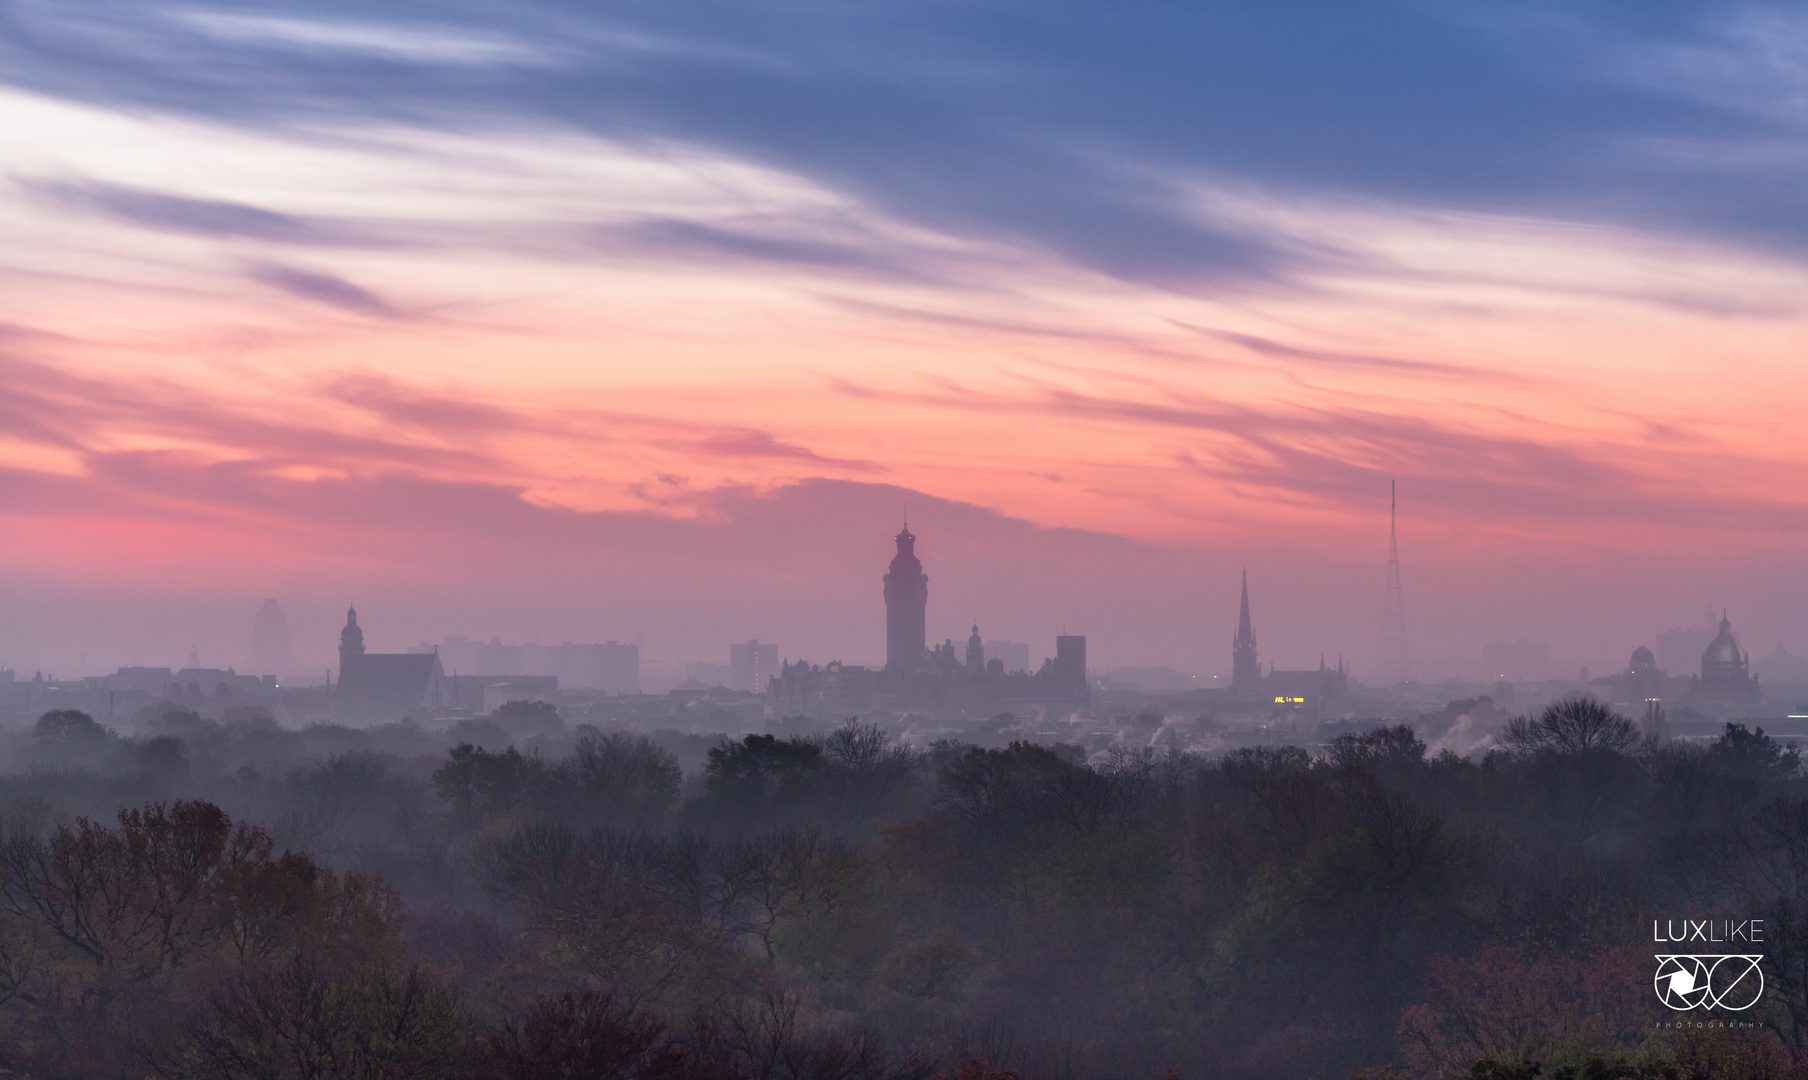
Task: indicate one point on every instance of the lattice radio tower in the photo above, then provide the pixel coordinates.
(1393, 612)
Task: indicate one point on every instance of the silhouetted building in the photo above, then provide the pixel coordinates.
(751, 666)
(833, 691)
(946, 680)
(472, 692)
(270, 641)
(1012, 656)
(351, 642)
(1068, 671)
(1644, 681)
(384, 686)
(1245, 668)
(906, 607)
(944, 660)
(1780, 666)
(1306, 686)
(1726, 680)
(1725, 661)
(606, 666)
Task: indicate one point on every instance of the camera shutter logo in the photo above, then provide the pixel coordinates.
(1731, 981)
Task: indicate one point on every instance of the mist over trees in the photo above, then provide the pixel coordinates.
(518, 898)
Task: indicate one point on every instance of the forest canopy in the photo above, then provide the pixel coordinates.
(232, 899)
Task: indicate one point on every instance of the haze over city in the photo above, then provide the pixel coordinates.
(922, 540)
(651, 324)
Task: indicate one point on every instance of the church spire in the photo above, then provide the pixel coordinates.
(1245, 669)
(1244, 631)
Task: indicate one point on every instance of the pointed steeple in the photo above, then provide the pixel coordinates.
(1245, 669)
(1245, 633)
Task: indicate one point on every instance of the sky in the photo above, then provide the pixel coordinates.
(650, 321)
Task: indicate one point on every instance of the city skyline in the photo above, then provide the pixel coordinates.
(614, 317)
(787, 539)
(905, 597)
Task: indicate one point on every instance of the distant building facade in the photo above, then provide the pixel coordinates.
(752, 665)
(474, 693)
(379, 687)
(270, 651)
(906, 607)
(1012, 656)
(1245, 666)
(1644, 679)
(977, 678)
(976, 653)
(1067, 671)
(1304, 688)
(1726, 681)
(609, 666)
(1643, 686)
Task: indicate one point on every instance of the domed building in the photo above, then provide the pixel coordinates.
(1725, 660)
(1640, 683)
(1726, 680)
(1644, 681)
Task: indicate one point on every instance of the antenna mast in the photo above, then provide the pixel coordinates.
(1393, 613)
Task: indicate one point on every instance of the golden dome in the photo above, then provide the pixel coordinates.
(1724, 649)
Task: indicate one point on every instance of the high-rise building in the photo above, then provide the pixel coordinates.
(906, 608)
(1245, 669)
(751, 665)
(270, 652)
(1070, 667)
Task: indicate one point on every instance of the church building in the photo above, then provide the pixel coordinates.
(384, 687)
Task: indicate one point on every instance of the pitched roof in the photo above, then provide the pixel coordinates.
(388, 685)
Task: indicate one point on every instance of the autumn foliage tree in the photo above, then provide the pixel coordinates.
(117, 942)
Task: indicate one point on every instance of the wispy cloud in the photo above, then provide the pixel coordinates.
(323, 288)
(419, 43)
(750, 442)
(176, 213)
